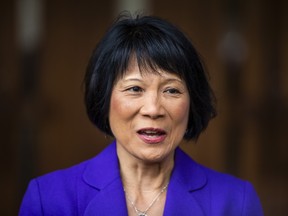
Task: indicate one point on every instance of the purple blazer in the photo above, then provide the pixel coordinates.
(94, 187)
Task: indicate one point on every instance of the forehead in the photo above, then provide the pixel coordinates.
(136, 71)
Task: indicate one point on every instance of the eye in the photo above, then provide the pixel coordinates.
(135, 89)
(172, 91)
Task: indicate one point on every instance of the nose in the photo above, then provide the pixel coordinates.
(152, 106)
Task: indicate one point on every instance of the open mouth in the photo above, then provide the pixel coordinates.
(152, 135)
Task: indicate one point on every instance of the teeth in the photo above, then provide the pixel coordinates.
(151, 132)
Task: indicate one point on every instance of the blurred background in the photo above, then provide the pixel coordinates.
(44, 50)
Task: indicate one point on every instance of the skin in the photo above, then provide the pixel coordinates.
(147, 100)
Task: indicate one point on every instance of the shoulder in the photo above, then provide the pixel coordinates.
(222, 180)
(53, 192)
(232, 194)
(65, 191)
(189, 168)
(224, 194)
(64, 176)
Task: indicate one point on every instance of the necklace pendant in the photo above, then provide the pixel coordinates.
(142, 214)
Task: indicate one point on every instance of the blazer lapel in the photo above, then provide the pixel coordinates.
(109, 201)
(104, 176)
(186, 193)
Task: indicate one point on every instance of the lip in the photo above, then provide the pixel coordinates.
(153, 135)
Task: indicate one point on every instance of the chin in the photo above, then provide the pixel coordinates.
(154, 158)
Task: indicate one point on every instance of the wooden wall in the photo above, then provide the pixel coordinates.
(42, 116)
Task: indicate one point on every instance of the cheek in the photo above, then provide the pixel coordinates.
(120, 109)
(181, 112)
(116, 114)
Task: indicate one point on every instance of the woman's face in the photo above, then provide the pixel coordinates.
(148, 114)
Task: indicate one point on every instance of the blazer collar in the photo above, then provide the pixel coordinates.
(186, 171)
(103, 174)
(184, 195)
(189, 173)
(103, 169)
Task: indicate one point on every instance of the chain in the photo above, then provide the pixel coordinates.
(144, 213)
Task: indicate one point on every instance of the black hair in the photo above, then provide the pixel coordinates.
(156, 44)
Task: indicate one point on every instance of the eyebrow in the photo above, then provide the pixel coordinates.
(174, 79)
(169, 80)
(131, 79)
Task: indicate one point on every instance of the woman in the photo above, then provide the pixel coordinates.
(146, 87)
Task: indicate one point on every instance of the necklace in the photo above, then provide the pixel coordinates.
(144, 213)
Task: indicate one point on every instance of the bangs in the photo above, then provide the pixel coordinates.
(151, 48)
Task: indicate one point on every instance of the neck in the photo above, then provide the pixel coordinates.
(145, 183)
(142, 177)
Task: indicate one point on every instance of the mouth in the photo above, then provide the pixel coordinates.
(152, 135)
